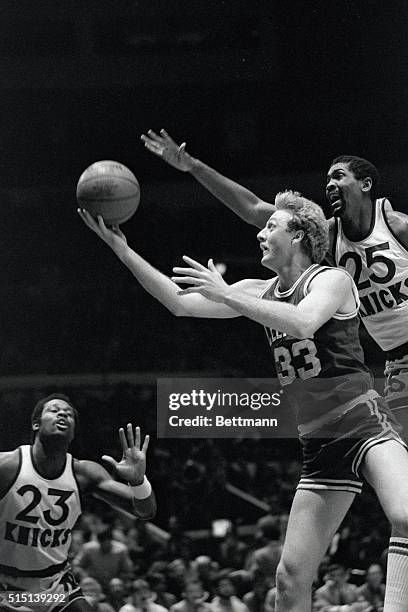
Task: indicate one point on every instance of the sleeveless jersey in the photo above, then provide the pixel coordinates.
(37, 516)
(379, 266)
(324, 373)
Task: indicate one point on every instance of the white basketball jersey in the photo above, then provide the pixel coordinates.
(379, 266)
(37, 516)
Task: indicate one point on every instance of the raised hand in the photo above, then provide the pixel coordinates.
(132, 466)
(113, 236)
(206, 281)
(164, 146)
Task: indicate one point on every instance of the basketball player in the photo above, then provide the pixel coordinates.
(347, 433)
(367, 238)
(40, 501)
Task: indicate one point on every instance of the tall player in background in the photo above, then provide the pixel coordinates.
(310, 315)
(40, 501)
(367, 238)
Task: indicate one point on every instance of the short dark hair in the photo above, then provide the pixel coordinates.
(361, 168)
(39, 407)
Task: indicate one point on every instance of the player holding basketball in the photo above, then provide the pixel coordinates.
(367, 238)
(347, 433)
(40, 501)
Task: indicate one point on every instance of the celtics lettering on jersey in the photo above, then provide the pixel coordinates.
(379, 266)
(37, 517)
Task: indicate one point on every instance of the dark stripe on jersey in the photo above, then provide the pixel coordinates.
(44, 573)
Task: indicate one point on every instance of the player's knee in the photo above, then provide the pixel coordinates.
(291, 580)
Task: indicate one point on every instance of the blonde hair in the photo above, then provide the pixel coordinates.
(309, 218)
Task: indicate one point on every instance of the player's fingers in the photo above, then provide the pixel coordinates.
(187, 271)
(189, 290)
(101, 223)
(186, 280)
(130, 437)
(122, 439)
(153, 148)
(211, 265)
(137, 437)
(155, 136)
(146, 443)
(110, 461)
(193, 263)
(182, 149)
(167, 137)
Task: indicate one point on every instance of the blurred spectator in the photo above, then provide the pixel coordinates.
(177, 576)
(93, 594)
(141, 599)
(266, 558)
(226, 600)
(337, 591)
(157, 583)
(255, 599)
(103, 559)
(373, 590)
(116, 593)
(270, 600)
(206, 571)
(232, 551)
(178, 545)
(194, 599)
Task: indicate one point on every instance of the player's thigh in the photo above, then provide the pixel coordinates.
(385, 467)
(313, 520)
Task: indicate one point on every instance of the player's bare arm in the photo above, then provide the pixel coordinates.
(154, 282)
(398, 223)
(330, 292)
(132, 492)
(240, 200)
(9, 465)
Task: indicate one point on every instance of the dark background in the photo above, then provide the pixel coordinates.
(266, 91)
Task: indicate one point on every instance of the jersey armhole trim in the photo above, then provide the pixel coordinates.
(74, 475)
(384, 216)
(20, 463)
(340, 316)
(335, 235)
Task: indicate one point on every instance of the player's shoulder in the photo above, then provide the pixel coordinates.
(88, 473)
(397, 221)
(326, 277)
(10, 462)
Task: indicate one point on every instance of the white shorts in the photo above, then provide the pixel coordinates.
(50, 594)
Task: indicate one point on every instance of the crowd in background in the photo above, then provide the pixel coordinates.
(125, 567)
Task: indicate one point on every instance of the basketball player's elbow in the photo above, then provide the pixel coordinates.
(305, 328)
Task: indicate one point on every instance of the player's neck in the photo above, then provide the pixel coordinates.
(357, 220)
(49, 457)
(289, 273)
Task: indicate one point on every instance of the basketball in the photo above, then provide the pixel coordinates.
(109, 189)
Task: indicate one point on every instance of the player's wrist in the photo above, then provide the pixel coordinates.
(140, 490)
(195, 165)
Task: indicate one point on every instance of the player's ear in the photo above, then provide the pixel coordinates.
(367, 183)
(298, 236)
(35, 426)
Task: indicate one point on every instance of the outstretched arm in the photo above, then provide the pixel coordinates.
(136, 496)
(155, 283)
(329, 292)
(240, 200)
